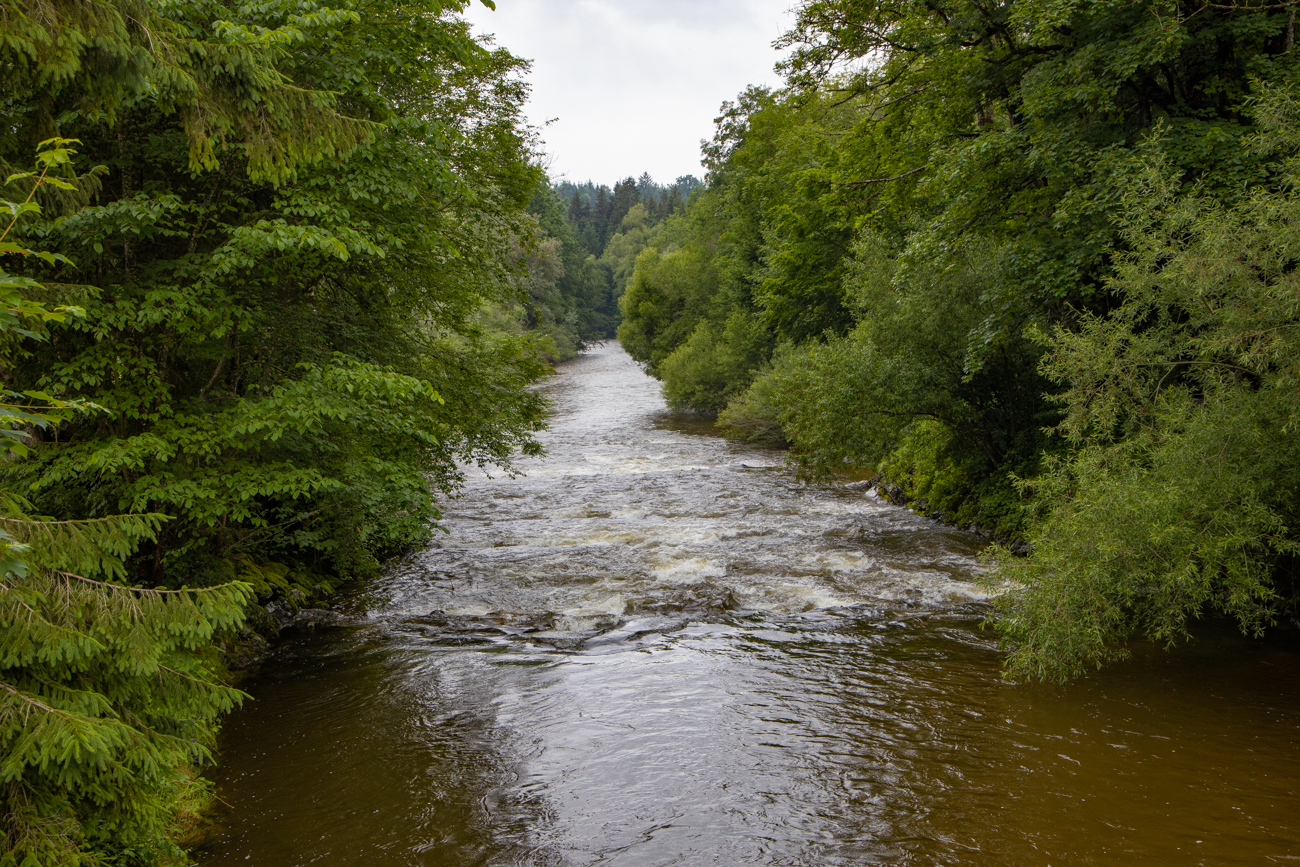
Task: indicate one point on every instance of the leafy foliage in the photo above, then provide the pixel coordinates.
(935, 255)
(222, 77)
(289, 369)
(301, 212)
(1182, 404)
(19, 314)
(105, 698)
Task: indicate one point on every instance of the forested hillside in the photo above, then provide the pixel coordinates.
(1034, 262)
(584, 254)
(596, 213)
(249, 261)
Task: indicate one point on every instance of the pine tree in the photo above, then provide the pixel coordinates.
(625, 196)
(601, 217)
(67, 61)
(105, 698)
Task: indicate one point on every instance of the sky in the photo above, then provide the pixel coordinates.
(631, 86)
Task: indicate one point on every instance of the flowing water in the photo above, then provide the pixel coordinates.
(657, 648)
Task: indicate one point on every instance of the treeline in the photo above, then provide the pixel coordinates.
(1035, 263)
(251, 258)
(580, 261)
(596, 213)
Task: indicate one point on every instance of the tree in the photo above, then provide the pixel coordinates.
(624, 198)
(106, 699)
(668, 296)
(290, 369)
(580, 307)
(302, 213)
(222, 80)
(1179, 495)
(935, 181)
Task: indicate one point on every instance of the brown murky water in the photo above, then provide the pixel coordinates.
(659, 649)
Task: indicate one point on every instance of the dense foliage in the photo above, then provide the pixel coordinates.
(596, 212)
(287, 367)
(1180, 493)
(570, 298)
(582, 258)
(939, 253)
(241, 356)
(105, 698)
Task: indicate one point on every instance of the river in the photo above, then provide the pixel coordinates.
(659, 648)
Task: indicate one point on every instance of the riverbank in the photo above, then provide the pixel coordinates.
(659, 647)
(880, 487)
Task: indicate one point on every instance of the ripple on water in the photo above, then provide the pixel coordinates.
(659, 648)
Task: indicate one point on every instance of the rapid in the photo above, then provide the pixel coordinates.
(655, 647)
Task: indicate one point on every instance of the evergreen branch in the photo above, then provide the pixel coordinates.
(78, 521)
(189, 745)
(35, 702)
(198, 680)
(33, 614)
(146, 591)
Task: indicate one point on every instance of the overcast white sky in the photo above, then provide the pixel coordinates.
(635, 84)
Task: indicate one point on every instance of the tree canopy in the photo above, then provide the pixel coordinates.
(933, 255)
(245, 350)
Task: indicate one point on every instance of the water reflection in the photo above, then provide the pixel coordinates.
(648, 653)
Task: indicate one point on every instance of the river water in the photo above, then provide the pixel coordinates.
(658, 648)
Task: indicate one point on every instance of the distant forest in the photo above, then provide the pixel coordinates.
(595, 212)
(587, 239)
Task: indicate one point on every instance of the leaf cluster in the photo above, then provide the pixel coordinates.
(1032, 261)
(1178, 499)
(105, 697)
(301, 212)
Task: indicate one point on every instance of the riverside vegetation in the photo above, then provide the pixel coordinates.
(281, 269)
(1034, 262)
(242, 351)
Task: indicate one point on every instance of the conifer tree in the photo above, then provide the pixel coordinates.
(625, 196)
(294, 368)
(105, 698)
